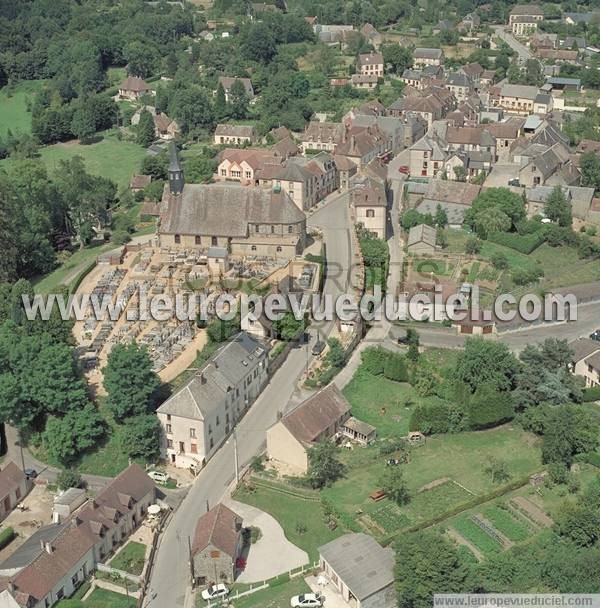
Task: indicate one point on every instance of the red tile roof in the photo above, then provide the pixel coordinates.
(219, 527)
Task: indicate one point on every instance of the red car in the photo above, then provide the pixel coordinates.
(403, 169)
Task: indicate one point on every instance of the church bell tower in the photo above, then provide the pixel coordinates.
(176, 180)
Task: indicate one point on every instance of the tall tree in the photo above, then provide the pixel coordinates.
(392, 482)
(558, 209)
(323, 466)
(220, 103)
(129, 381)
(238, 100)
(145, 129)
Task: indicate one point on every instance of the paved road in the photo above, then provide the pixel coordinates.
(170, 575)
(523, 52)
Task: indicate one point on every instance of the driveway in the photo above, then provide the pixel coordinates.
(333, 598)
(273, 553)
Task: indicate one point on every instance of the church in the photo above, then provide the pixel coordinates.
(247, 221)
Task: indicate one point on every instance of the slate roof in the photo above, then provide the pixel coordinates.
(205, 392)
(370, 59)
(458, 79)
(425, 53)
(322, 131)
(522, 91)
(452, 192)
(526, 9)
(133, 83)
(594, 361)
(422, 234)
(11, 477)
(474, 136)
(583, 348)
(361, 563)
(454, 211)
(316, 414)
(359, 426)
(219, 527)
(226, 210)
(227, 82)
(235, 130)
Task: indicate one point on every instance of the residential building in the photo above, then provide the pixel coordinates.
(346, 169)
(244, 165)
(200, 416)
(525, 10)
(474, 71)
(53, 565)
(133, 88)
(166, 128)
(235, 135)
(524, 25)
(360, 570)
(514, 98)
(331, 34)
(316, 419)
(14, 486)
(402, 132)
(425, 57)
(369, 203)
(470, 139)
(321, 136)
(505, 133)
(541, 165)
(580, 199)
(469, 24)
(429, 108)
(370, 64)
(371, 35)
(216, 545)
(586, 360)
(362, 144)
(364, 81)
(413, 78)
(426, 157)
(579, 18)
(227, 82)
(460, 85)
(422, 239)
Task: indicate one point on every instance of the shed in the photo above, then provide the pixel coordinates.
(421, 239)
(69, 501)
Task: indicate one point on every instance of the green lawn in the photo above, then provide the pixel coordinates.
(130, 558)
(110, 157)
(13, 106)
(102, 598)
(472, 532)
(437, 267)
(504, 522)
(458, 457)
(290, 512)
(275, 597)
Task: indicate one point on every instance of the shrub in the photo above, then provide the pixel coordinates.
(395, 368)
(523, 243)
(437, 418)
(473, 245)
(521, 276)
(591, 394)
(6, 537)
(489, 407)
(68, 478)
(373, 359)
(499, 261)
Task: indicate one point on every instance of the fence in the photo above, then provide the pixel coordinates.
(144, 579)
(121, 573)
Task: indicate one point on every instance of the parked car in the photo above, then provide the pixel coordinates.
(215, 591)
(404, 169)
(30, 473)
(595, 335)
(318, 347)
(392, 462)
(514, 182)
(158, 476)
(307, 600)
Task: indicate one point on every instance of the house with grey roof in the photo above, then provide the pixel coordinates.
(421, 239)
(198, 418)
(585, 361)
(424, 56)
(360, 569)
(236, 135)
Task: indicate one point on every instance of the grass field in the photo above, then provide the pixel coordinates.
(102, 598)
(291, 511)
(13, 106)
(473, 533)
(274, 597)
(130, 558)
(112, 158)
(437, 267)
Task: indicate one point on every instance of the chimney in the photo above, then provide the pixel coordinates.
(202, 378)
(10, 586)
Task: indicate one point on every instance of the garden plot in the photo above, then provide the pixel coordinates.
(438, 498)
(510, 526)
(484, 542)
(531, 512)
(388, 518)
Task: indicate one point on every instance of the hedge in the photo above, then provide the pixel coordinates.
(524, 243)
(6, 537)
(592, 458)
(591, 394)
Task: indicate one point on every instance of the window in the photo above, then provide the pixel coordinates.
(223, 172)
(248, 174)
(290, 229)
(75, 579)
(193, 448)
(213, 240)
(193, 433)
(197, 240)
(209, 429)
(170, 444)
(256, 227)
(279, 249)
(169, 428)
(370, 213)
(177, 239)
(217, 421)
(168, 417)
(60, 593)
(253, 248)
(212, 443)
(272, 229)
(182, 447)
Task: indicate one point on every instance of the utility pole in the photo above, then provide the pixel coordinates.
(235, 457)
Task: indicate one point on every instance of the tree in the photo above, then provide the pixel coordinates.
(412, 338)
(497, 469)
(192, 108)
(83, 123)
(499, 260)
(141, 436)
(141, 58)
(69, 478)
(395, 368)
(441, 217)
(145, 129)
(460, 173)
(397, 56)
(426, 563)
(589, 166)
(488, 407)
(490, 220)
(220, 102)
(580, 523)
(323, 466)
(558, 209)
(473, 245)
(68, 437)
(411, 218)
(499, 199)
(129, 381)
(392, 482)
(257, 42)
(423, 381)
(485, 362)
(289, 328)
(238, 100)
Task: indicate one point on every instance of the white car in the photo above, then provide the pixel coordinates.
(307, 600)
(215, 592)
(158, 476)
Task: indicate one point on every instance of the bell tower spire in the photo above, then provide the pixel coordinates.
(176, 179)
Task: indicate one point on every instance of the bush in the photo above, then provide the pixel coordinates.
(521, 276)
(523, 243)
(473, 245)
(373, 360)
(499, 261)
(436, 418)
(6, 537)
(591, 394)
(68, 478)
(489, 407)
(395, 368)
